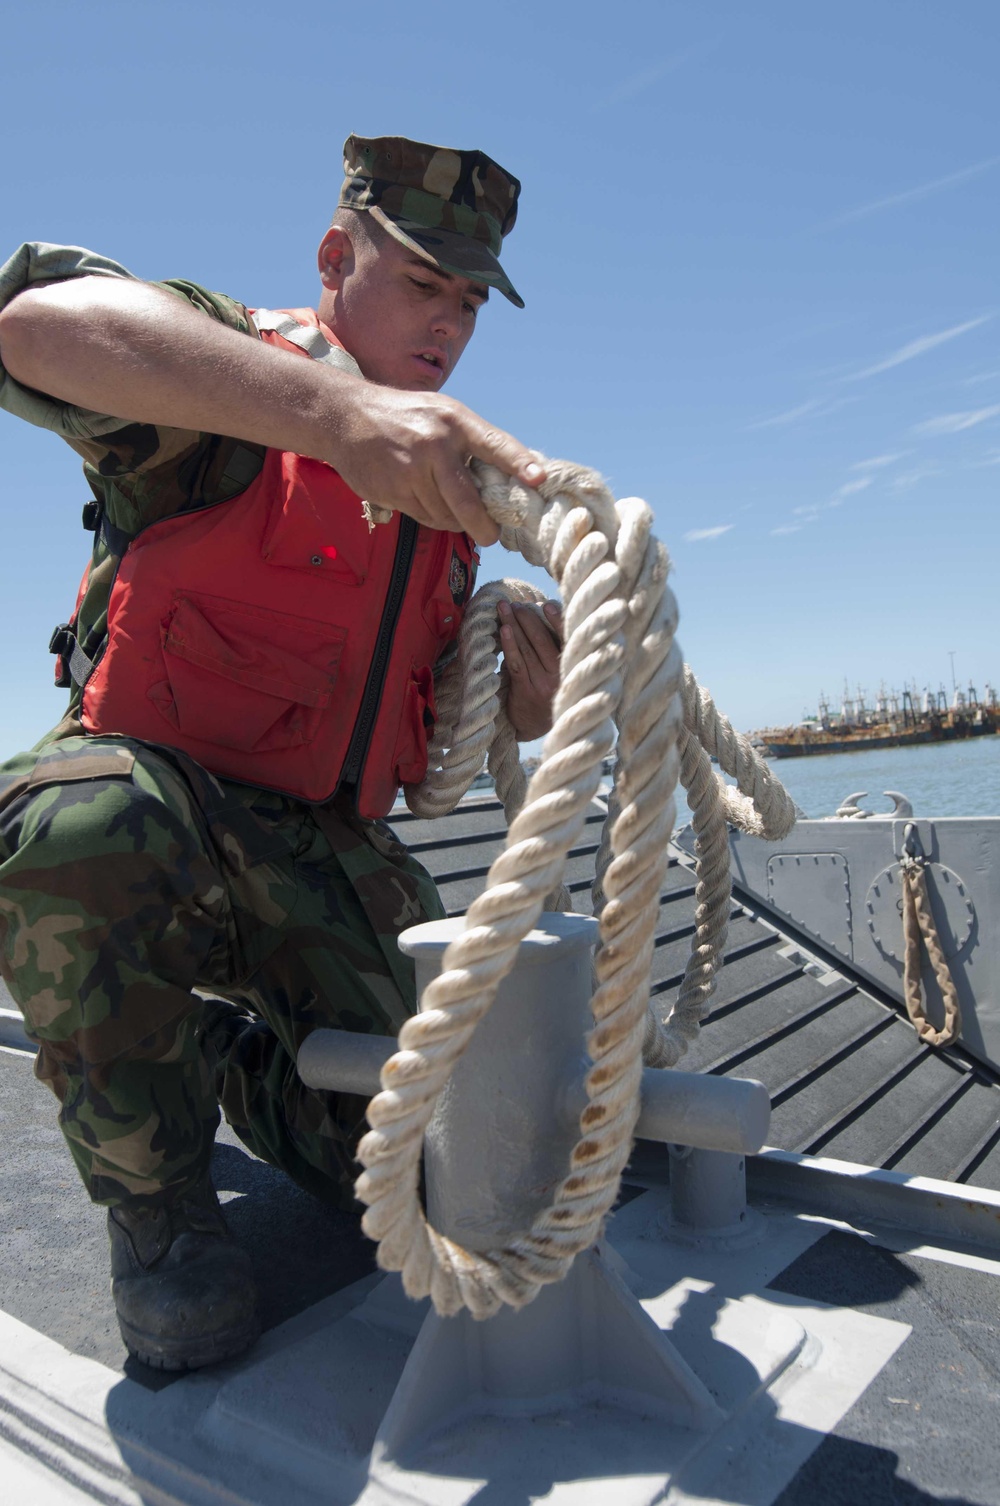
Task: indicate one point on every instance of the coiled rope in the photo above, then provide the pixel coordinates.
(621, 674)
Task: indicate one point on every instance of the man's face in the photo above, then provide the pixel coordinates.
(403, 321)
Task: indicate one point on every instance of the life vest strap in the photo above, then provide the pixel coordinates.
(73, 664)
(311, 340)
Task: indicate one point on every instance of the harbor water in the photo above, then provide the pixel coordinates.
(939, 779)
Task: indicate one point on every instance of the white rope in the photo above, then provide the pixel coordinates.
(620, 671)
(472, 725)
(760, 806)
(471, 722)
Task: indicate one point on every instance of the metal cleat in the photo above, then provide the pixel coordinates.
(849, 810)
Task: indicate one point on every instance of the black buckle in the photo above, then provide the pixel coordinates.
(92, 515)
(61, 644)
(62, 639)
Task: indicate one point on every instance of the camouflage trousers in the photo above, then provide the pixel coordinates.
(129, 877)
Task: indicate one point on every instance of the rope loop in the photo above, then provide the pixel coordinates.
(919, 928)
(623, 687)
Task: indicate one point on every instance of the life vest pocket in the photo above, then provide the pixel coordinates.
(415, 726)
(319, 525)
(245, 677)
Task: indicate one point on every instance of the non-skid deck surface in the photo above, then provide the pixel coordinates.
(846, 1073)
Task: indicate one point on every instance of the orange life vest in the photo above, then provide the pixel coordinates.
(280, 640)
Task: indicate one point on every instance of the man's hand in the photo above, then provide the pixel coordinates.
(530, 638)
(410, 451)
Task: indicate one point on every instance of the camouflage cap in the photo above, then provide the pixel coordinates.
(452, 208)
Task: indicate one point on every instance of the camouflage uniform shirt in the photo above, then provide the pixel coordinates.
(138, 473)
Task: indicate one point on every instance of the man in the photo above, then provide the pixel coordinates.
(251, 668)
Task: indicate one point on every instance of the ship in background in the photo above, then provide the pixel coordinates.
(897, 719)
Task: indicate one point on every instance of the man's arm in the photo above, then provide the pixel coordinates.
(125, 348)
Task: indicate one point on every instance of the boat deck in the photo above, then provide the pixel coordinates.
(848, 1080)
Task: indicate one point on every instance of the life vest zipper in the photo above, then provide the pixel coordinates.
(361, 737)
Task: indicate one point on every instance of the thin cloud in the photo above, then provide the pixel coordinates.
(911, 195)
(698, 535)
(639, 82)
(955, 423)
(786, 528)
(906, 479)
(859, 484)
(810, 512)
(876, 462)
(918, 348)
(816, 407)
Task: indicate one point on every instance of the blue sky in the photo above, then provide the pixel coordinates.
(758, 246)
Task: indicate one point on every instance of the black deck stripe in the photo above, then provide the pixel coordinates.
(935, 1111)
(770, 1037)
(832, 1058)
(988, 1141)
(680, 933)
(575, 886)
(473, 839)
(486, 804)
(456, 875)
(745, 949)
(686, 891)
(855, 1108)
(770, 985)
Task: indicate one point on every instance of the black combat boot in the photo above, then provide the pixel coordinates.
(183, 1289)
